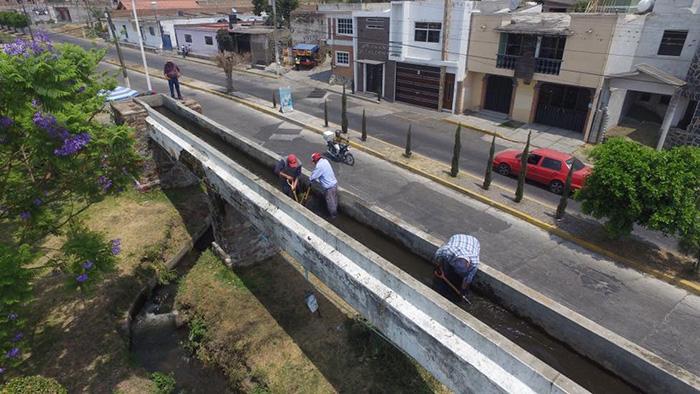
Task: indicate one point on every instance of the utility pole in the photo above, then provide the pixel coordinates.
(274, 35)
(154, 5)
(29, 20)
(119, 49)
(143, 53)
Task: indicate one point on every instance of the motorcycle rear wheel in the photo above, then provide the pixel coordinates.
(349, 159)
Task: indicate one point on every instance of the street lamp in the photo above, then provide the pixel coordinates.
(143, 53)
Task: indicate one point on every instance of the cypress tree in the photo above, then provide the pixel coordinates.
(274, 100)
(407, 152)
(456, 151)
(523, 171)
(489, 165)
(364, 126)
(344, 113)
(564, 201)
(325, 112)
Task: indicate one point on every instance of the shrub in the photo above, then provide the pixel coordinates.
(33, 385)
(165, 383)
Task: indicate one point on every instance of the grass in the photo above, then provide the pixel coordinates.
(260, 332)
(75, 337)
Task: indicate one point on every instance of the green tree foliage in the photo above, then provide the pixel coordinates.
(260, 6)
(165, 383)
(55, 161)
(224, 41)
(633, 184)
(363, 137)
(344, 112)
(564, 200)
(489, 165)
(523, 171)
(33, 385)
(456, 150)
(284, 11)
(407, 150)
(14, 19)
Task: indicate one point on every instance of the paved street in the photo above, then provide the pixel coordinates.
(430, 135)
(647, 311)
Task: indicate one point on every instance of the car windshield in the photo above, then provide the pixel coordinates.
(578, 164)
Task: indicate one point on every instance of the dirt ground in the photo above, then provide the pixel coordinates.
(259, 330)
(75, 337)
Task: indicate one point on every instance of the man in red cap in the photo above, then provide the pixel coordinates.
(289, 171)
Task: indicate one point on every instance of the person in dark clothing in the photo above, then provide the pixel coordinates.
(289, 171)
(172, 73)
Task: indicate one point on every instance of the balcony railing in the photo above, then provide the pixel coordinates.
(542, 65)
(506, 61)
(547, 66)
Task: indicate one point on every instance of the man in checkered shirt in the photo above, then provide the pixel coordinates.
(458, 259)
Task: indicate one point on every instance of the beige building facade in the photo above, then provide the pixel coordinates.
(543, 68)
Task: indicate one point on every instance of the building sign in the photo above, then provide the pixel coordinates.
(286, 99)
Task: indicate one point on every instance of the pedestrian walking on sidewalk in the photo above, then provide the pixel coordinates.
(288, 170)
(456, 261)
(323, 173)
(172, 73)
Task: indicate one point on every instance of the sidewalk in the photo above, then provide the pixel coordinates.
(647, 311)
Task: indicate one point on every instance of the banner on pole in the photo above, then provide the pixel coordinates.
(286, 99)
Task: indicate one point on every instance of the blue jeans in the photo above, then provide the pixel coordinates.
(174, 83)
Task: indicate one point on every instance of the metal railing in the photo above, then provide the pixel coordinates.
(547, 66)
(506, 61)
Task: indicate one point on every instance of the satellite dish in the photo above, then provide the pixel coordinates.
(645, 6)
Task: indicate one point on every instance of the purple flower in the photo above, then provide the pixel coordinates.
(13, 353)
(37, 202)
(81, 89)
(46, 122)
(19, 47)
(36, 103)
(5, 122)
(73, 145)
(2, 370)
(88, 264)
(81, 278)
(18, 337)
(12, 316)
(104, 182)
(116, 246)
(25, 215)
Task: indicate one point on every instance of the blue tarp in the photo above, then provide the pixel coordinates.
(306, 47)
(119, 93)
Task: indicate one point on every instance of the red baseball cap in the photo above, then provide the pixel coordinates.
(292, 161)
(315, 157)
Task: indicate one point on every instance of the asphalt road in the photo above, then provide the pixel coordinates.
(430, 136)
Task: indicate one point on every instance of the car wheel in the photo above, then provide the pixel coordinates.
(556, 187)
(503, 169)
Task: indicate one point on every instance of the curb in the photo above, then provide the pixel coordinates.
(686, 284)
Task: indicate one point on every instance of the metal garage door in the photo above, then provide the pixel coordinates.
(563, 106)
(419, 85)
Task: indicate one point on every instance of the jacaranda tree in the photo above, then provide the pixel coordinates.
(55, 161)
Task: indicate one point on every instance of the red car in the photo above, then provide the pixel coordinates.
(545, 166)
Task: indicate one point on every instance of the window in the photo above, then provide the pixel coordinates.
(645, 97)
(375, 23)
(665, 100)
(551, 164)
(151, 30)
(672, 42)
(552, 47)
(533, 159)
(126, 32)
(342, 58)
(188, 38)
(208, 40)
(578, 164)
(344, 26)
(427, 32)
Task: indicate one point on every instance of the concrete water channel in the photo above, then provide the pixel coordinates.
(583, 371)
(487, 307)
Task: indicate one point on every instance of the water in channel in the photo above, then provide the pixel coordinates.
(558, 355)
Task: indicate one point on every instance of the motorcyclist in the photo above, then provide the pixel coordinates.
(334, 146)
